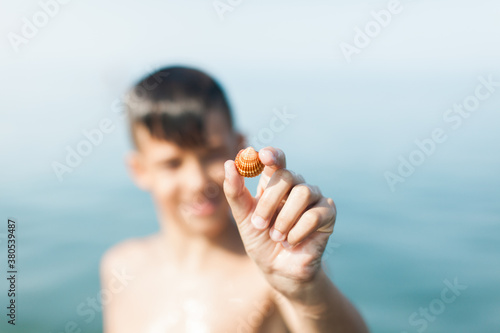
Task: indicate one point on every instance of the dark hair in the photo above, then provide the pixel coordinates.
(172, 104)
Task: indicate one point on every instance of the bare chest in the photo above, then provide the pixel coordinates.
(167, 302)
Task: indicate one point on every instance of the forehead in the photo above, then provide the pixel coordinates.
(217, 133)
(216, 129)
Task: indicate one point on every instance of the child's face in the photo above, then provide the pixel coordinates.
(186, 185)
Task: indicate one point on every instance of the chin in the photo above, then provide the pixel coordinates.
(209, 219)
(209, 226)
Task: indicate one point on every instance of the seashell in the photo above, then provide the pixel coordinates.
(248, 163)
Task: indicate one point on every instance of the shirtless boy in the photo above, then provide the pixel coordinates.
(222, 260)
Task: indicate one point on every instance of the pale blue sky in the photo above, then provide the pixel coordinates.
(265, 54)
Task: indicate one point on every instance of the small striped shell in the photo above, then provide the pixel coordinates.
(248, 163)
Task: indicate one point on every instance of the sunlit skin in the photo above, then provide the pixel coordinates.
(212, 267)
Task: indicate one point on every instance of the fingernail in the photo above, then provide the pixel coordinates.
(285, 244)
(258, 222)
(269, 154)
(227, 170)
(277, 236)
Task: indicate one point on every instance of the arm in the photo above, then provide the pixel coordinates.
(321, 307)
(285, 229)
(117, 274)
(108, 308)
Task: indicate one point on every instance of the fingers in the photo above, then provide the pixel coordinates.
(273, 159)
(320, 218)
(239, 198)
(277, 189)
(300, 197)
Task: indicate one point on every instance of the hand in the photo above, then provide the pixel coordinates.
(286, 227)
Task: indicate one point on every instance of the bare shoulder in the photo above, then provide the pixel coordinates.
(120, 266)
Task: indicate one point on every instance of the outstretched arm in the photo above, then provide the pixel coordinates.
(320, 308)
(285, 229)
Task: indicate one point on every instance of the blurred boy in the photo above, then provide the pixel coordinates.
(223, 261)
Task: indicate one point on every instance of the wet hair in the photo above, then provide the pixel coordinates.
(172, 104)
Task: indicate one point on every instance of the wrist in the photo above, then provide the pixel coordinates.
(310, 298)
(312, 294)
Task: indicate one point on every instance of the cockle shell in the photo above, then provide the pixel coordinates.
(248, 163)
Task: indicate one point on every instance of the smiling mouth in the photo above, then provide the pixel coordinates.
(204, 208)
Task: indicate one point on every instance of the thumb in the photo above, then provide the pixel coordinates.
(238, 196)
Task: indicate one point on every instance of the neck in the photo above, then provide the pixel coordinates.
(198, 252)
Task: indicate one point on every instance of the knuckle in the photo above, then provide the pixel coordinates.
(293, 238)
(317, 190)
(282, 221)
(300, 178)
(280, 226)
(312, 217)
(331, 203)
(303, 191)
(280, 156)
(286, 175)
(263, 209)
(333, 216)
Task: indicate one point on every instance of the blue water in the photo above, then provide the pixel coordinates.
(392, 252)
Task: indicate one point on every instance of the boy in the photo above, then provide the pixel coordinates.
(223, 261)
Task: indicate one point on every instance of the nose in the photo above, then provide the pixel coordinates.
(197, 176)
